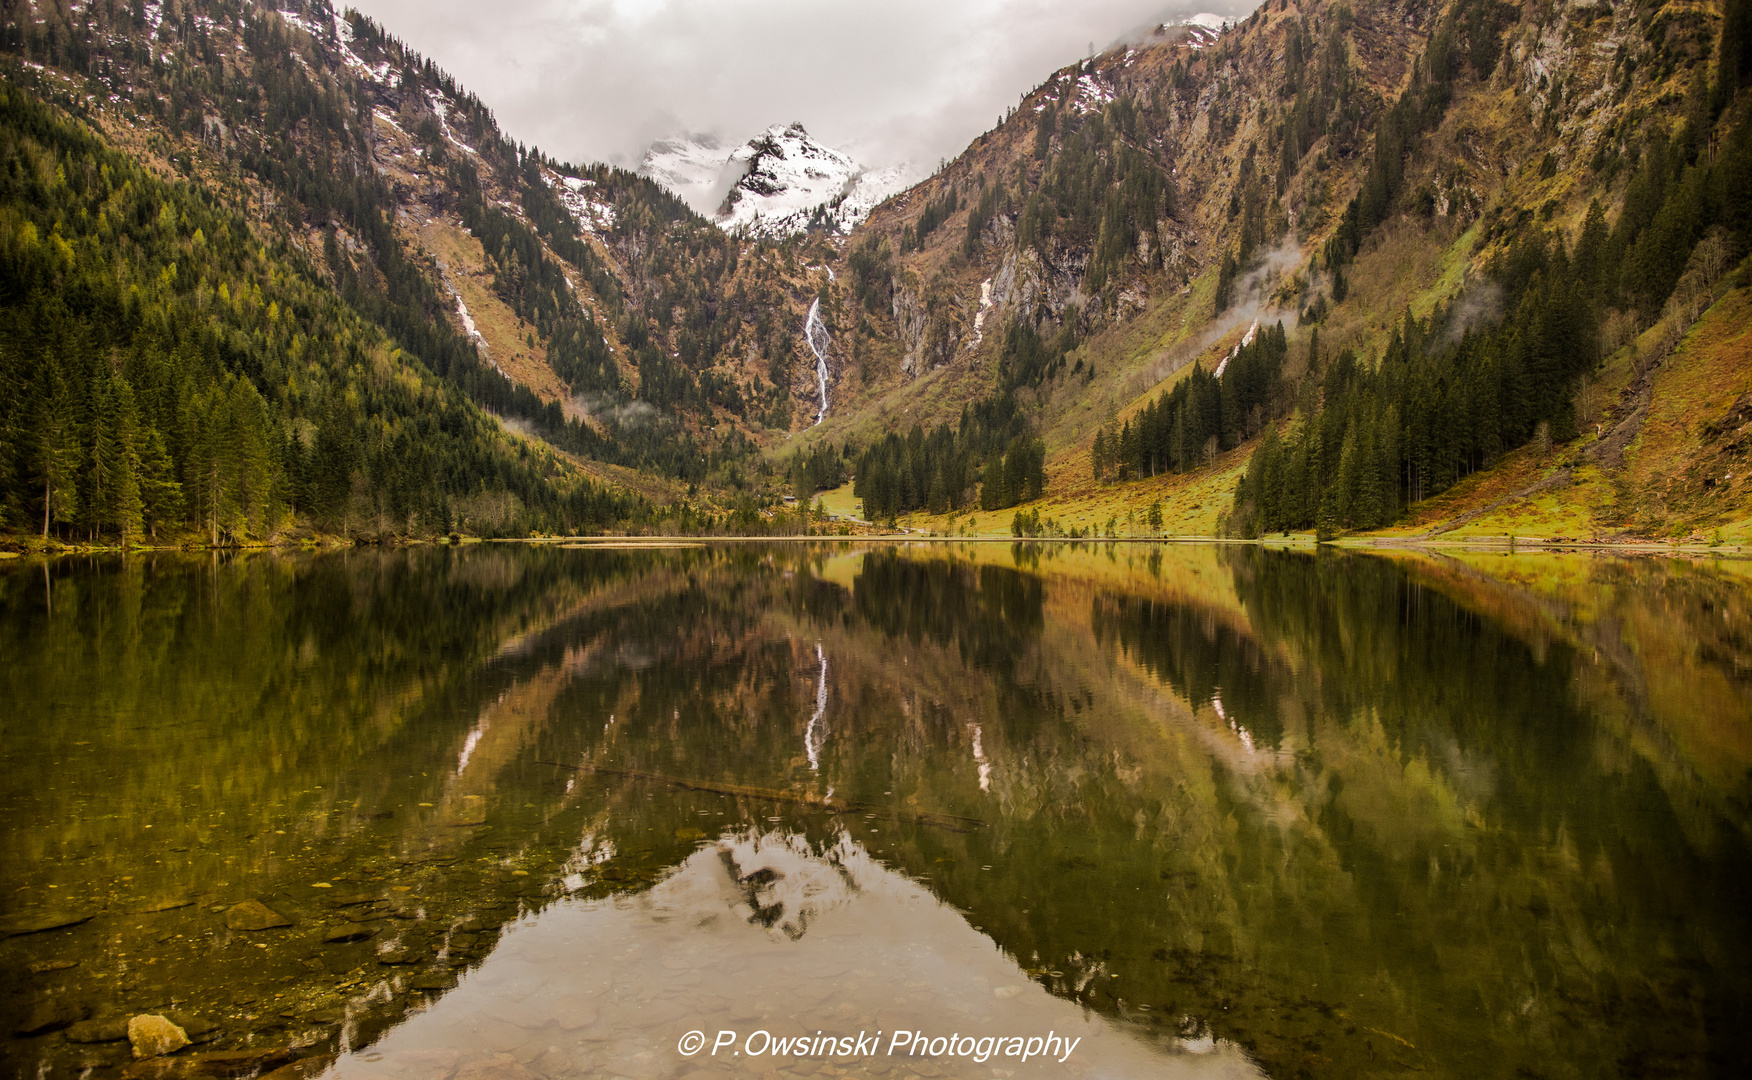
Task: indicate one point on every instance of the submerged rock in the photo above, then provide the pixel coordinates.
(223, 1064)
(35, 922)
(155, 1036)
(468, 810)
(302, 1069)
(101, 1030)
(397, 953)
(254, 915)
(197, 1029)
(169, 903)
(50, 1013)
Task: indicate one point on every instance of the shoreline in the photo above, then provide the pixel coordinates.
(1505, 544)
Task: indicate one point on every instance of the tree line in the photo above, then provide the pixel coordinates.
(1203, 414)
(990, 460)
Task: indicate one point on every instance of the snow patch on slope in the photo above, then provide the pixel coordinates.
(468, 323)
(441, 108)
(1205, 28)
(575, 193)
(377, 73)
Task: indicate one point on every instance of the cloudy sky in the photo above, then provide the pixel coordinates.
(892, 80)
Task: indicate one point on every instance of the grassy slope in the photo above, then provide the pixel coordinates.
(1662, 478)
(1659, 493)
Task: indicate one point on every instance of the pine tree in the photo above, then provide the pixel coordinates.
(55, 464)
(127, 517)
(161, 494)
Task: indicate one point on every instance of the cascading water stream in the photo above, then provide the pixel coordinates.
(815, 333)
(814, 738)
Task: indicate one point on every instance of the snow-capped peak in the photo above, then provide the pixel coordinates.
(1206, 20)
(695, 167)
(779, 183)
(1203, 29)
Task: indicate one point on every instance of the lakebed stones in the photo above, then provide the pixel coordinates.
(221, 1065)
(51, 1013)
(35, 922)
(101, 1030)
(163, 904)
(154, 1036)
(197, 1029)
(302, 1069)
(396, 952)
(466, 811)
(254, 915)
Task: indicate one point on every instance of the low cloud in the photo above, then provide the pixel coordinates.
(632, 414)
(895, 81)
(1482, 303)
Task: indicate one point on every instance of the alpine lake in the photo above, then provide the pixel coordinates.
(509, 811)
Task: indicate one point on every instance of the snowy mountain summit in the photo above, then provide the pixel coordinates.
(1203, 28)
(695, 167)
(779, 183)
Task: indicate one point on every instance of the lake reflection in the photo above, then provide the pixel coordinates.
(1220, 811)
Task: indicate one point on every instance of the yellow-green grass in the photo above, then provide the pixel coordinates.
(1673, 455)
(503, 331)
(840, 502)
(1191, 504)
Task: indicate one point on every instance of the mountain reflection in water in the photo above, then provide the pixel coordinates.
(1221, 809)
(757, 933)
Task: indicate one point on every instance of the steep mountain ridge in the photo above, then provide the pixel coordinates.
(1069, 297)
(585, 307)
(1332, 168)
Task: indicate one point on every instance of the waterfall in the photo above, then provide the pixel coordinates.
(813, 737)
(815, 333)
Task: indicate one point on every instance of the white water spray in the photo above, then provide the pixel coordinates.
(815, 333)
(979, 758)
(814, 737)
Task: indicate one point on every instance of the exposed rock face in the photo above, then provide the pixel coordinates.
(155, 1036)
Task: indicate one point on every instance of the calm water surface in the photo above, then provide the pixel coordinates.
(515, 812)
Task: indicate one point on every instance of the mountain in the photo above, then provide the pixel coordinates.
(788, 183)
(780, 183)
(1421, 266)
(695, 167)
(610, 340)
(1472, 253)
